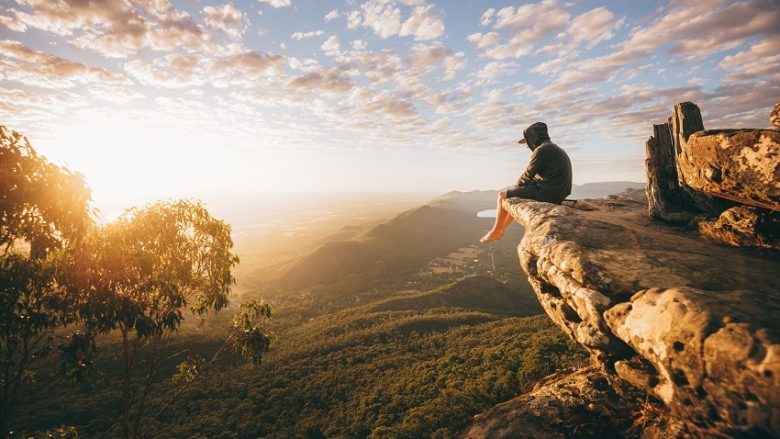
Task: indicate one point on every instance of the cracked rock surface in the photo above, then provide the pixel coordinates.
(741, 165)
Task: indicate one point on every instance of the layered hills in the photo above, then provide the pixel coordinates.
(417, 250)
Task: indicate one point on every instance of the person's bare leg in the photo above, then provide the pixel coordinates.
(503, 219)
(509, 219)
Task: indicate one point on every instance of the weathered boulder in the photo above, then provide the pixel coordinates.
(739, 165)
(585, 403)
(774, 116)
(745, 226)
(716, 354)
(590, 267)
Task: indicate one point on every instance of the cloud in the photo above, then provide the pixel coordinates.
(553, 65)
(331, 46)
(761, 60)
(593, 27)
(524, 26)
(697, 29)
(353, 19)
(532, 17)
(22, 64)
(378, 67)
(36, 111)
(12, 23)
(487, 17)
(359, 45)
(305, 35)
(383, 17)
(686, 32)
(171, 71)
(332, 15)
(385, 104)
(422, 24)
(452, 64)
(494, 114)
(226, 19)
(481, 40)
(176, 30)
(277, 3)
(329, 81)
(244, 69)
(494, 70)
(113, 29)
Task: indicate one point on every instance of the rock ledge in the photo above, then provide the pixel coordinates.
(693, 323)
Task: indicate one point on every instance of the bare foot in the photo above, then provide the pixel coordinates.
(492, 235)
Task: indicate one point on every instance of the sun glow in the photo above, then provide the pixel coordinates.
(129, 160)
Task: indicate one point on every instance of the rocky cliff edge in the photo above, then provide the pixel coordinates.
(694, 325)
(683, 331)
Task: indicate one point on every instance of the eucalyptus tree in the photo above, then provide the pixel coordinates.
(136, 277)
(149, 270)
(44, 215)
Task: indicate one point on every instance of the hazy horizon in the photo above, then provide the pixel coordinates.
(228, 204)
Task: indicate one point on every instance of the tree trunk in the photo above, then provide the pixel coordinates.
(127, 375)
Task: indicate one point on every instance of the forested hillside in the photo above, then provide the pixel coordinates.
(357, 373)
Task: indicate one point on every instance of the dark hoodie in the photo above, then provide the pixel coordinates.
(550, 167)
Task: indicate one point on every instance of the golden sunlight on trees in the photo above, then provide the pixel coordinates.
(136, 278)
(147, 269)
(44, 212)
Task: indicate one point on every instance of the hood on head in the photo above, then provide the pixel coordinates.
(535, 135)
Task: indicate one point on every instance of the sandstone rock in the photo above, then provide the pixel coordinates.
(666, 199)
(684, 122)
(716, 353)
(586, 403)
(774, 116)
(739, 165)
(583, 264)
(745, 226)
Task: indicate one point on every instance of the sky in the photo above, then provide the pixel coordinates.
(159, 98)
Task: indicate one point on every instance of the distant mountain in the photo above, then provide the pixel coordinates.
(369, 263)
(602, 189)
(477, 293)
(638, 195)
(401, 245)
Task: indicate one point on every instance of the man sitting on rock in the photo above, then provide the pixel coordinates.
(547, 178)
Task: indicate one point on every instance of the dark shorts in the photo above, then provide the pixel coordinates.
(531, 192)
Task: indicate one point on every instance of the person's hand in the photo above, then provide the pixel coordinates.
(502, 195)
